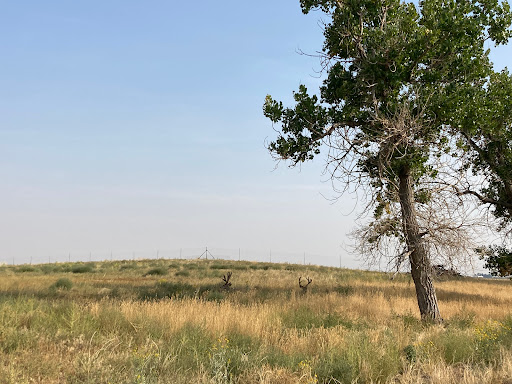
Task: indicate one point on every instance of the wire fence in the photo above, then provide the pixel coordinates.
(234, 254)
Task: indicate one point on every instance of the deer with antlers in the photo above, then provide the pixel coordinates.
(304, 287)
(227, 283)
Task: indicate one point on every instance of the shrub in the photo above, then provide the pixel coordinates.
(159, 271)
(410, 353)
(182, 273)
(82, 268)
(170, 290)
(63, 283)
(47, 269)
(220, 266)
(26, 268)
(128, 266)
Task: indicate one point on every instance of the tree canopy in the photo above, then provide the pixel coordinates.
(486, 130)
(402, 81)
(498, 260)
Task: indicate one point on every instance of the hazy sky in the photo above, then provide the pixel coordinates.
(137, 126)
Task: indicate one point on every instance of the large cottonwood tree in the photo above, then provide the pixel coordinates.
(396, 78)
(485, 132)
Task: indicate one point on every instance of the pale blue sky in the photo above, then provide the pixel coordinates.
(128, 125)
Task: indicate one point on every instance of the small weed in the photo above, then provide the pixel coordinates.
(220, 361)
(410, 353)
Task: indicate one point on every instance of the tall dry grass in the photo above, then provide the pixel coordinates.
(351, 326)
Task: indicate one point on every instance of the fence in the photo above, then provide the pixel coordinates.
(179, 253)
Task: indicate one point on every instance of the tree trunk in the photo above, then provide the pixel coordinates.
(419, 257)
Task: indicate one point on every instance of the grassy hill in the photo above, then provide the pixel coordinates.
(170, 321)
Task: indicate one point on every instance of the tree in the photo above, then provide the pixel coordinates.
(486, 137)
(498, 260)
(385, 112)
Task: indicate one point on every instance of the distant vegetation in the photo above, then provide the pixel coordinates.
(177, 321)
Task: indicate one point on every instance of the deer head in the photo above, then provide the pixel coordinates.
(305, 287)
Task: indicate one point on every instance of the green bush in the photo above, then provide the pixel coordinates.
(47, 269)
(410, 353)
(220, 266)
(159, 271)
(182, 273)
(167, 290)
(63, 283)
(26, 268)
(82, 268)
(128, 266)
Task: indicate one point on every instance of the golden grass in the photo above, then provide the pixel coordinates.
(100, 331)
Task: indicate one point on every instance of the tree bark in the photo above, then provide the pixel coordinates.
(419, 256)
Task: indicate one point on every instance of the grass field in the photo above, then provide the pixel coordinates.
(169, 321)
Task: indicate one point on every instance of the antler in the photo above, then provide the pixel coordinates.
(226, 278)
(305, 287)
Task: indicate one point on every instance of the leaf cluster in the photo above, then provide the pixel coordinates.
(498, 259)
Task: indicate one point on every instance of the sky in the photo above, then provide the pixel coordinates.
(135, 129)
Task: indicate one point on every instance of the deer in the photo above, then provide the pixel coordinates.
(227, 283)
(304, 287)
